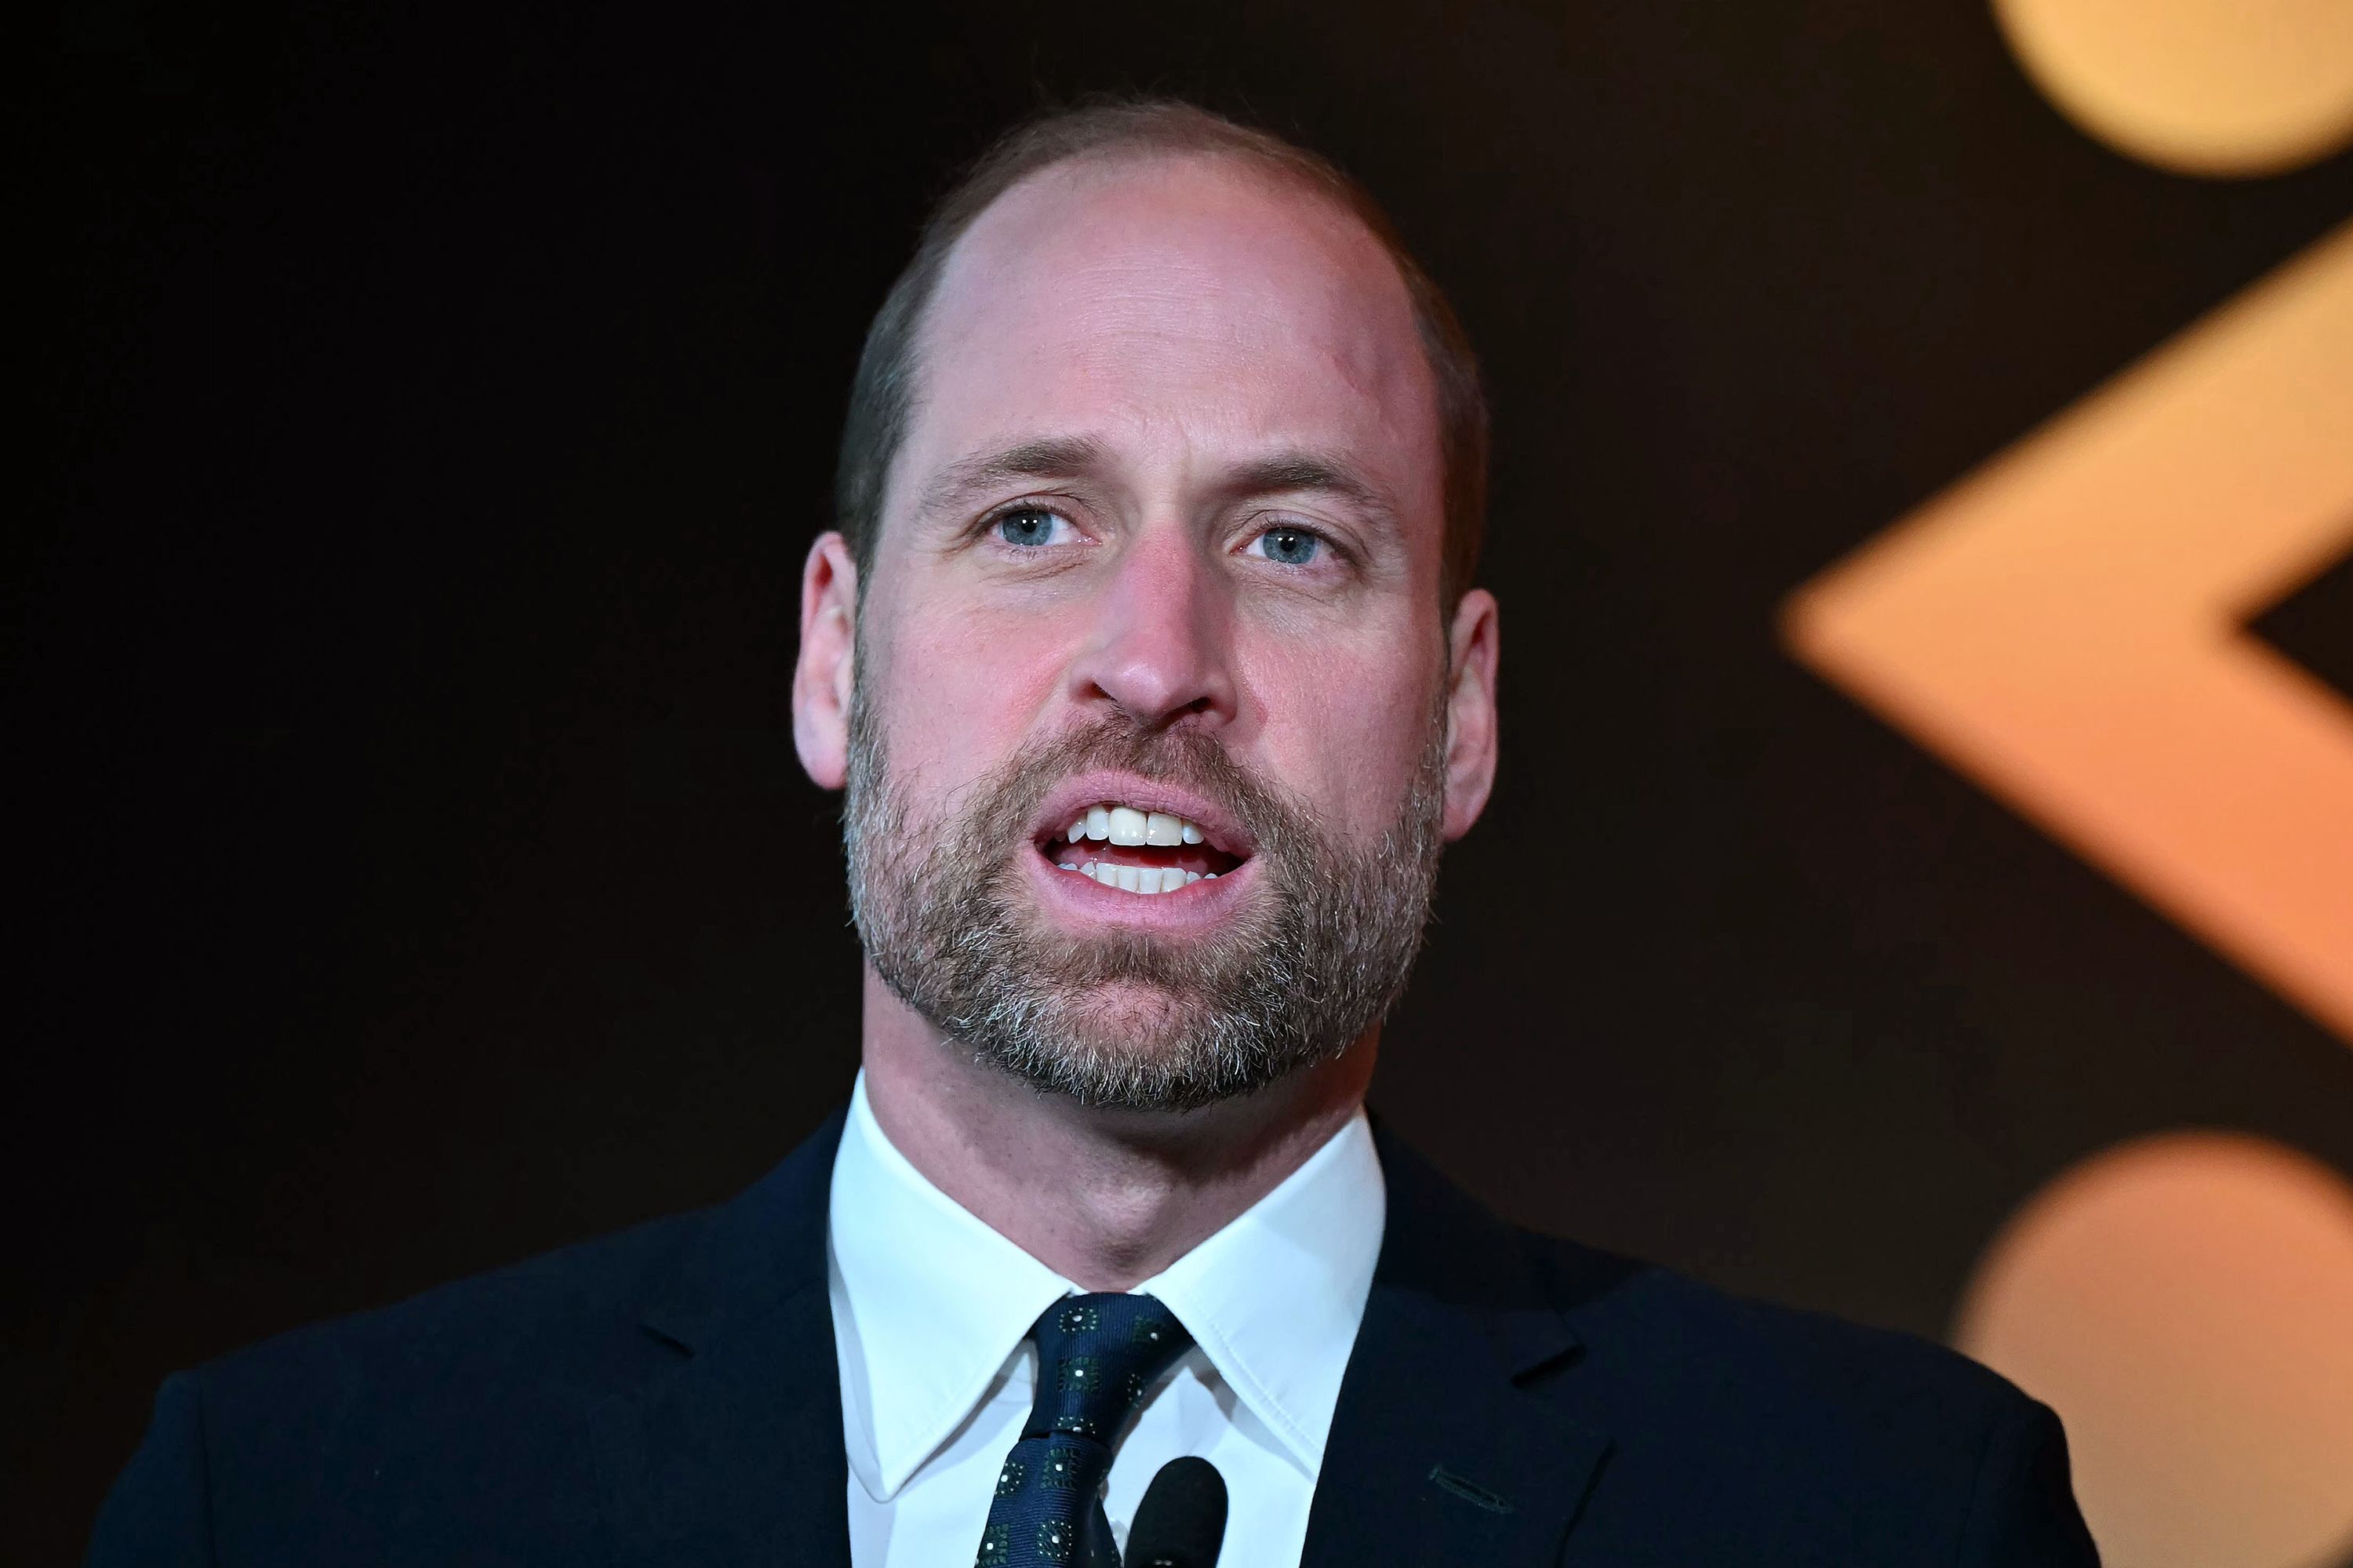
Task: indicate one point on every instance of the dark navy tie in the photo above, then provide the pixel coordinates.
(1096, 1356)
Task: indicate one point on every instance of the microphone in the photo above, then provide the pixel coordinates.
(1181, 1521)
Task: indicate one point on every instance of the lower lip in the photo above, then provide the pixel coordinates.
(1196, 904)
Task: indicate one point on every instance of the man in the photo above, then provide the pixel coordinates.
(1147, 656)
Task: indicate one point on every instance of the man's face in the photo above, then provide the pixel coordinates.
(1159, 558)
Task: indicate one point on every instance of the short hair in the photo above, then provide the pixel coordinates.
(881, 394)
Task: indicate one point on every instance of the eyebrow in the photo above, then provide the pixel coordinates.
(1077, 457)
(1291, 473)
(1058, 457)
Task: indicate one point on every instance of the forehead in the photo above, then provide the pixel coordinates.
(1195, 306)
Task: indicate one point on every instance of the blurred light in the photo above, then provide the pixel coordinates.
(2202, 87)
(2186, 1303)
(2067, 626)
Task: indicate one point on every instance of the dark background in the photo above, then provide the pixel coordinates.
(409, 868)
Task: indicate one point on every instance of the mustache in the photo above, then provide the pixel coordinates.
(1011, 795)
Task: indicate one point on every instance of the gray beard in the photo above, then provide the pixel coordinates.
(1315, 961)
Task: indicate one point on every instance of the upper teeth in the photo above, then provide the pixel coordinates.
(1127, 825)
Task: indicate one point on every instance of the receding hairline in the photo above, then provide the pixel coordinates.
(1105, 165)
(1097, 141)
(1266, 168)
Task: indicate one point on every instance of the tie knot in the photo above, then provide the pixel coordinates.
(1096, 1355)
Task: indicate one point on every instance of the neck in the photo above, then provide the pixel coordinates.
(1105, 1198)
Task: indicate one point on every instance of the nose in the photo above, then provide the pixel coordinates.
(1160, 645)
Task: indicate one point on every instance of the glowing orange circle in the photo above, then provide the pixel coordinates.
(2186, 1303)
(2202, 87)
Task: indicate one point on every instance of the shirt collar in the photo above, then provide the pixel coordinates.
(930, 1302)
(1274, 1299)
(936, 1302)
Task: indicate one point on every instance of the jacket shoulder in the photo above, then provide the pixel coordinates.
(454, 1417)
(1737, 1348)
(572, 1324)
(1879, 1441)
(462, 1423)
(566, 1320)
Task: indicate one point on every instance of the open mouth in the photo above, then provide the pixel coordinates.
(1138, 851)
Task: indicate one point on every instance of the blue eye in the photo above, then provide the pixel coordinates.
(1029, 526)
(1288, 546)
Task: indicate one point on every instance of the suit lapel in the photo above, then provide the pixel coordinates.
(733, 1453)
(1456, 1438)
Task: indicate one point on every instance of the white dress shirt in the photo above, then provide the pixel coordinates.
(931, 1308)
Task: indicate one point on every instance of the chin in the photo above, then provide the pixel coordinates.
(1129, 1017)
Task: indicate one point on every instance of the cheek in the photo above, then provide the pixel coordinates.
(957, 693)
(1347, 733)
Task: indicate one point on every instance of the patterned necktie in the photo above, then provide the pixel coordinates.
(1096, 1355)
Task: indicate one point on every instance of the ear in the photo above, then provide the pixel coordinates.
(825, 674)
(1473, 646)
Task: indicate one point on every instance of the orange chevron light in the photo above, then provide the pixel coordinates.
(2067, 626)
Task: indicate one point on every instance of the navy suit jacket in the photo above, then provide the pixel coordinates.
(669, 1396)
